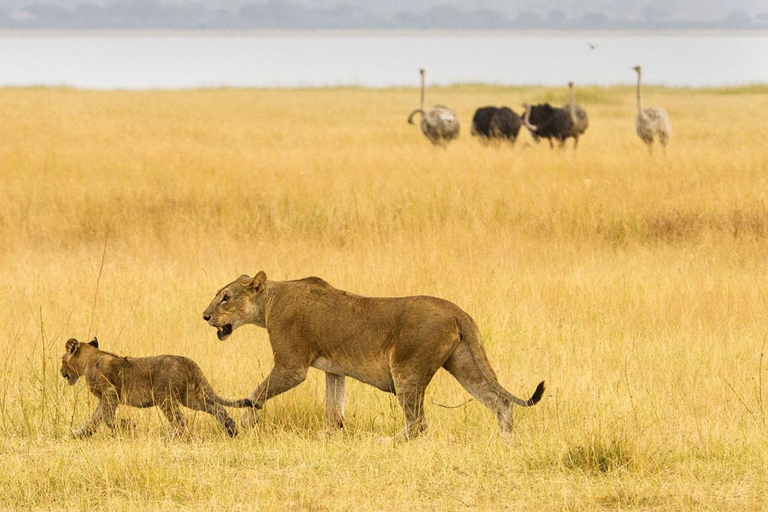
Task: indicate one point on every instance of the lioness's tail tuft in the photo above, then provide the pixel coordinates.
(536, 395)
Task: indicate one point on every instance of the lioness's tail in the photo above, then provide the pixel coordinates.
(471, 335)
(213, 396)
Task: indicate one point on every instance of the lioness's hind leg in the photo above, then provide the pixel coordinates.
(481, 385)
(334, 400)
(412, 402)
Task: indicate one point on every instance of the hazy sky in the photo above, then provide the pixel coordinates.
(390, 13)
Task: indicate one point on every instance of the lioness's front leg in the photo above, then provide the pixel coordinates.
(334, 400)
(280, 379)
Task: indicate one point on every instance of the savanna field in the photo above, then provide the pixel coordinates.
(635, 285)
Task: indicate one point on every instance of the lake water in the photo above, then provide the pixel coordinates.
(301, 59)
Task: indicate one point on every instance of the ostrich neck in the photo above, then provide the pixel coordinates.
(639, 101)
(572, 106)
(422, 92)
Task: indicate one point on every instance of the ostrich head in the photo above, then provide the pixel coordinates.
(638, 69)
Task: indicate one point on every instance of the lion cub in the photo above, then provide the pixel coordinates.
(164, 381)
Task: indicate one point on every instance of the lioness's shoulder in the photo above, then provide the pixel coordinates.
(313, 281)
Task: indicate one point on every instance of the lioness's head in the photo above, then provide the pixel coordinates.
(71, 364)
(239, 303)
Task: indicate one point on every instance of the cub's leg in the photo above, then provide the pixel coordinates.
(334, 400)
(175, 417)
(90, 425)
(104, 411)
(207, 403)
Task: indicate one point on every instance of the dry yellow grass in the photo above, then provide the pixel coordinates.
(635, 286)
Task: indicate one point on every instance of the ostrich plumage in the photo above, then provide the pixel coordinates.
(481, 121)
(439, 124)
(651, 123)
(547, 122)
(496, 123)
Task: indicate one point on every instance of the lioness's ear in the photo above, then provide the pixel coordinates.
(72, 345)
(94, 342)
(257, 283)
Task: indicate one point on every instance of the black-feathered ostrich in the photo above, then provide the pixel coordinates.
(651, 122)
(545, 121)
(440, 124)
(496, 123)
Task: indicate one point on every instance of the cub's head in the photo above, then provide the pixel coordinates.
(71, 361)
(240, 302)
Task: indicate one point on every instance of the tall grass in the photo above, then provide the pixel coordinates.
(634, 285)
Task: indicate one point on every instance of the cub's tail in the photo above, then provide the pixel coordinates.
(211, 395)
(243, 402)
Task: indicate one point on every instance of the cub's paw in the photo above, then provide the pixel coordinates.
(82, 433)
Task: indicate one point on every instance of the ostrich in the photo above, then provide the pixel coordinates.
(496, 123)
(481, 121)
(440, 124)
(546, 121)
(551, 122)
(651, 122)
(579, 118)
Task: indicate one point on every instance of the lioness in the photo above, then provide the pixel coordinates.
(394, 344)
(165, 381)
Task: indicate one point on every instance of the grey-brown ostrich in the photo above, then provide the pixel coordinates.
(579, 117)
(651, 122)
(440, 124)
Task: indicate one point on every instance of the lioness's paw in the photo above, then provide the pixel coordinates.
(250, 418)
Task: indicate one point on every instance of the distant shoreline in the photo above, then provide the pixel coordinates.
(374, 33)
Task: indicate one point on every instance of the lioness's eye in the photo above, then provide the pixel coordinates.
(225, 298)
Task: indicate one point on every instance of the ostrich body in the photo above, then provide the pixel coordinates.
(651, 122)
(547, 122)
(440, 124)
(505, 124)
(481, 121)
(496, 123)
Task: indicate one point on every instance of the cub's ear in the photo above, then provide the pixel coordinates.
(94, 342)
(257, 283)
(72, 345)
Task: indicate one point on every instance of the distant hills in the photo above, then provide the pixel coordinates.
(398, 14)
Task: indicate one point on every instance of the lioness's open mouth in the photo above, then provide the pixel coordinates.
(224, 331)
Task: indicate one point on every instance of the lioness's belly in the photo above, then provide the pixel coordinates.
(376, 373)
